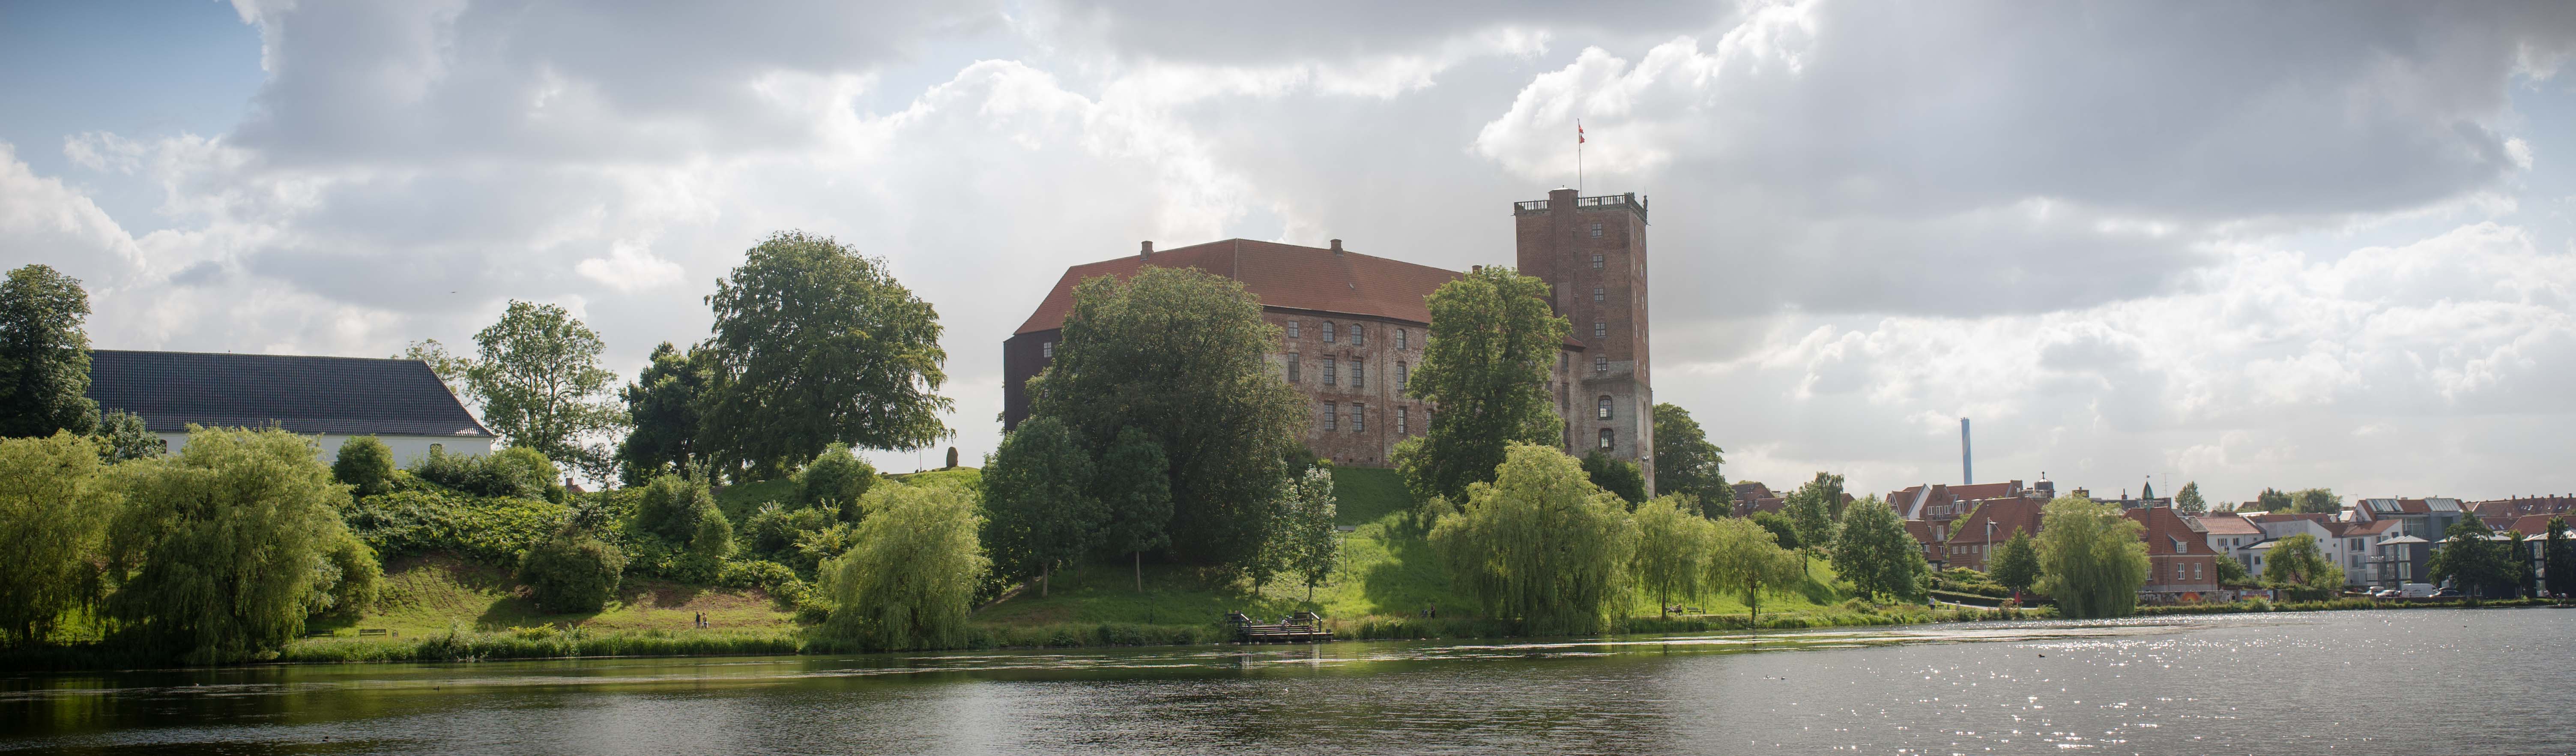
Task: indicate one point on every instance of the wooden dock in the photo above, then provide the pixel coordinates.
(1302, 627)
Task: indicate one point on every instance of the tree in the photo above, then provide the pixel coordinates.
(2271, 501)
(1540, 544)
(815, 343)
(450, 369)
(1749, 559)
(1673, 545)
(2298, 561)
(2316, 501)
(1485, 364)
(2471, 561)
(1812, 508)
(835, 480)
(1181, 356)
(54, 504)
(122, 436)
(2092, 559)
(911, 578)
(1874, 552)
(2189, 501)
(1616, 476)
(365, 464)
(1038, 504)
(572, 573)
(216, 554)
(2232, 573)
(1686, 463)
(2559, 558)
(2016, 563)
(662, 414)
(1135, 492)
(1308, 544)
(1783, 531)
(541, 386)
(683, 512)
(44, 356)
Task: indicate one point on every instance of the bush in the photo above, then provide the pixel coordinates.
(671, 507)
(774, 528)
(353, 580)
(835, 482)
(494, 530)
(572, 573)
(366, 465)
(513, 472)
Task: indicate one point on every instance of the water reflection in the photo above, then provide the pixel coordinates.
(2367, 681)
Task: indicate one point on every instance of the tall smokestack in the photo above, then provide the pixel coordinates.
(1967, 461)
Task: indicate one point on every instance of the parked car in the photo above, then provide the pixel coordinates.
(2447, 593)
(2416, 590)
(2385, 593)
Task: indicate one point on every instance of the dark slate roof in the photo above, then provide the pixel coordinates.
(334, 395)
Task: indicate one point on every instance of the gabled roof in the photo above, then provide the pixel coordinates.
(310, 395)
(2373, 527)
(1281, 275)
(2227, 525)
(2531, 524)
(2008, 515)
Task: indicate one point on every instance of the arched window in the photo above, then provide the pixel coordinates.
(1399, 339)
(1358, 337)
(1603, 408)
(1403, 375)
(1605, 438)
(1328, 332)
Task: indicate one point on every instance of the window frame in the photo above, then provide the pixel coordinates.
(1332, 371)
(1292, 329)
(1293, 364)
(1332, 416)
(1328, 332)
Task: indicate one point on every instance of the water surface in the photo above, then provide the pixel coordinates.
(2418, 681)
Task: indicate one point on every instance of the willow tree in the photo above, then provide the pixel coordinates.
(54, 504)
(1673, 546)
(1540, 544)
(1747, 559)
(2092, 559)
(1493, 339)
(910, 580)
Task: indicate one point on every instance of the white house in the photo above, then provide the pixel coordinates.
(334, 398)
(2232, 537)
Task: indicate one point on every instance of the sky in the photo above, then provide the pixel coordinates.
(2279, 245)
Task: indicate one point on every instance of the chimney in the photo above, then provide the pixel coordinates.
(1476, 269)
(1967, 463)
(1147, 253)
(1337, 246)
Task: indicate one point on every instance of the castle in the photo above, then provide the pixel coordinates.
(1352, 327)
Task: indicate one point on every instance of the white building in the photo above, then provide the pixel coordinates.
(333, 398)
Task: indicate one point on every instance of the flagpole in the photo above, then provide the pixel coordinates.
(1578, 156)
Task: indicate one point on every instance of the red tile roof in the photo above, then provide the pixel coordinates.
(2373, 527)
(1983, 490)
(2167, 533)
(2532, 524)
(2228, 524)
(1281, 275)
(2008, 515)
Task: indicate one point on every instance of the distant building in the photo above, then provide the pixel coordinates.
(2428, 517)
(2231, 536)
(1752, 496)
(335, 398)
(2181, 564)
(1970, 541)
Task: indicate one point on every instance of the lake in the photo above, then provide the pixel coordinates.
(2417, 681)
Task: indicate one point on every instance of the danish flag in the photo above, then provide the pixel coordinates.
(1578, 131)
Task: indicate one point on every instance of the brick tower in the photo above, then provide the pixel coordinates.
(1592, 253)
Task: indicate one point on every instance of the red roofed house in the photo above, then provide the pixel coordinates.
(1353, 326)
(2229, 534)
(1752, 496)
(1971, 540)
(2181, 565)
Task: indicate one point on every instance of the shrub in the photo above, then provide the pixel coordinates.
(671, 507)
(835, 481)
(353, 579)
(774, 528)
(366, 465)
(514, 472)
(490, 529)
(572, 573)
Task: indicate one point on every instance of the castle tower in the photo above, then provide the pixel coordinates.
(1592, 253)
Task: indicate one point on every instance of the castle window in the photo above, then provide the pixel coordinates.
(1403, 376)
(1561, 359)
(1047, 350)
(1331, 416)
(1330, 371)
(1596, 230)
(1399, 339)
(1402, 414)
(1600, 329)
(1601, 409)
(1359, 374)
(1328, 332)
(1600, 364)
(1359, 417)
(1596, 262)
(1293, 366)
(1605, 438)
(1292, 329)
(1358, 337)
(1596, 295)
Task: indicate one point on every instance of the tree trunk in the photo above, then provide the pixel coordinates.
(1046, 574)
(1664, 605)
(1140, 572)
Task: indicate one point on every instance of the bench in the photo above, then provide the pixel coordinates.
(1302, 627)
(376, 632)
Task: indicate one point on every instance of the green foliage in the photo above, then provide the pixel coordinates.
(44, 356)
(1038, 504)
(1485, 363)
(672, 506)
(513, 472)
(1876, 554)
(662, 414)
(449, 368)
(775, 528)
(1134, 486)
(1673, 549)
(1687, 463)
(2189, 501)
(572, 573)
(2480, 567)
(1306, 545)
(2016, 564)
(541, 386)
(2091, 558)
(122, 436)
(2298, 561)
(1181, 356)
(1744, 558)
(910, 581)
(2232, 573)
(1616, 476)
(2316, 501)
(835, 481)
(54, 504)
(350, 578)
(215, 553)
(1540, 544)
(2271, 501)
(490, 529)
(814, 343)
(366, 465)
(2559, 557)
(1783, 531)
(1813, 508)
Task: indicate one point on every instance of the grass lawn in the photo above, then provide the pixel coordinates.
(431, 594)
